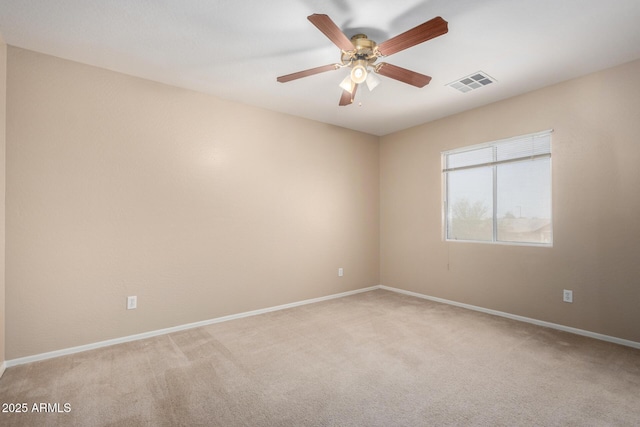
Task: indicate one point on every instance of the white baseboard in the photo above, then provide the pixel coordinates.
(129, 338)
(3, 366)
(576, 331)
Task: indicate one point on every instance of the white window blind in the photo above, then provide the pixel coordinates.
(500, 191)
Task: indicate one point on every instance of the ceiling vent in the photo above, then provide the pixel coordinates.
(472, 81)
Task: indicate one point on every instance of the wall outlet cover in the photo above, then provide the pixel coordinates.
(132, 302)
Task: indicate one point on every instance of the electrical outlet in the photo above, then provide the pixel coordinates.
(340, 272)
(132, 302)
(567, 295)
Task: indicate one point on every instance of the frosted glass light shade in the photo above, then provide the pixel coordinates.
(347, 84)
(372, 81)
(359, 72)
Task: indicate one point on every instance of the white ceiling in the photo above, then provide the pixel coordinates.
(235, 49)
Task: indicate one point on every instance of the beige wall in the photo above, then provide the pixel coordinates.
(200, 207)
(596, 206)
(3, 103)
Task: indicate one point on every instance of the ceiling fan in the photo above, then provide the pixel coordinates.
(360, 54)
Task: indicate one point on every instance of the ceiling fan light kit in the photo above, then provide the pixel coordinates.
(360, 54)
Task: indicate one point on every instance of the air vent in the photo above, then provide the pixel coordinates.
(472, 81)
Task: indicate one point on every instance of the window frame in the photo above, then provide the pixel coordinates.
(494, 165)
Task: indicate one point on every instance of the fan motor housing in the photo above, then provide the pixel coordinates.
(364, 49)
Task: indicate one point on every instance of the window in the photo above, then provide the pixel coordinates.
(499, 192)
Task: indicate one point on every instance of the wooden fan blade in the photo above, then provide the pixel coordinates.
(423, 32)
(331, 30)
(347, 98)
(306, 73)
(403, 75)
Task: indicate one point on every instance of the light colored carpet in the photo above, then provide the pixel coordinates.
(372, 359)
